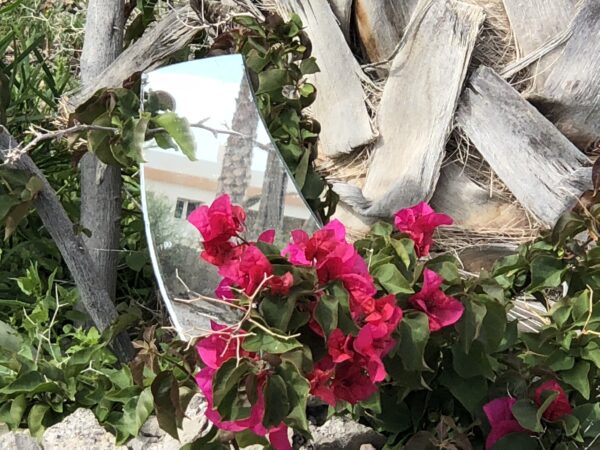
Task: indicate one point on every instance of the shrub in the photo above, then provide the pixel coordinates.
(400, 339)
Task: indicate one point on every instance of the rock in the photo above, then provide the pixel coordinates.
(151, 437)
(343, 433)
(80, 430)
(18, 440)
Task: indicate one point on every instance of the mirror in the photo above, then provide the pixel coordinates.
(233, 154)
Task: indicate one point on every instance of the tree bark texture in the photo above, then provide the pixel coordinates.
(237, 158)
(94, 296)
(101, 184)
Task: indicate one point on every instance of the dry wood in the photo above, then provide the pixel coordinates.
(340, 104)
(343, 11)
(570, 96)
(94, 297)
(169, 35)
(544, 171)
(471, 206)
(536, 22)
(418, 104)
(380, 26)
(101, 184)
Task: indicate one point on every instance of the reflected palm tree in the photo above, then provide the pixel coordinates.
(237, 157)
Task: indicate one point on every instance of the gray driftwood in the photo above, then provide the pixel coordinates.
(570, 95)
(539, 165)
(380, 26)
(418, 104)
(101, 185)
(94, 297)
(535, 23)
(343, 11)
(471, 206)
(169, 35)
(340, 105)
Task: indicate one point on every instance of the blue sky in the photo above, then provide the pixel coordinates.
(207, 88)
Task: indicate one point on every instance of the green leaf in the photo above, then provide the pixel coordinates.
(179, 129)
(36, 420)
(382, 229)
(264, 342)
(136, 260)
(99, 142)
(390, 278)
(475, 363)
(589, 418)
(577, 377)
(517, 441)
(470, 325)
(10, 339)
(30, 383)
(272, 80)
(326, 313)
(470, 392)
(546, 272)
(309, 66)
(414, 334)
(298, 389)
(226, 385)
(165, 391)
(277, 405)
(405, 249)
(527, 415)
(591, 352)
(446, 267)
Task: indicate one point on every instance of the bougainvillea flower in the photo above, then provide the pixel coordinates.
(281, 285)
(352, 383)
(220, 221)
(295, 251)
(368, 347)
(217, 348)
(501, 419)
(267, 236)
(221, 253)
(328, 251)
(339, 346)
(419, 222)
(559, 407)
(250, 271)
(384, 317)
(321, 380)
(441, 309)
(277, 435)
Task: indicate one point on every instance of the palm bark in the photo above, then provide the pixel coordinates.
(237, 157)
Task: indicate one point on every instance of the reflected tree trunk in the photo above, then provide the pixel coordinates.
(237, 158)
(272, 202)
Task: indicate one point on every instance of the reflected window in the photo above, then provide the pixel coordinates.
(179, 208)
(185, 205)
(191, 206)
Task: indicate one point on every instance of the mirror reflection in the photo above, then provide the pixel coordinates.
(228, 151)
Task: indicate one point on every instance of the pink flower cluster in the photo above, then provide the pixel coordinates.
(419, 223)
(503, 422)
(242, 265)
(353, 365)
(214, 351)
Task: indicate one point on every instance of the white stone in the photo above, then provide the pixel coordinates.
(80, 430)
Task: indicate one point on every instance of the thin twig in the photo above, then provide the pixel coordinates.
(15, 153)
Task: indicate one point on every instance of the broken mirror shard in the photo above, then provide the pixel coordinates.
(223, 148)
